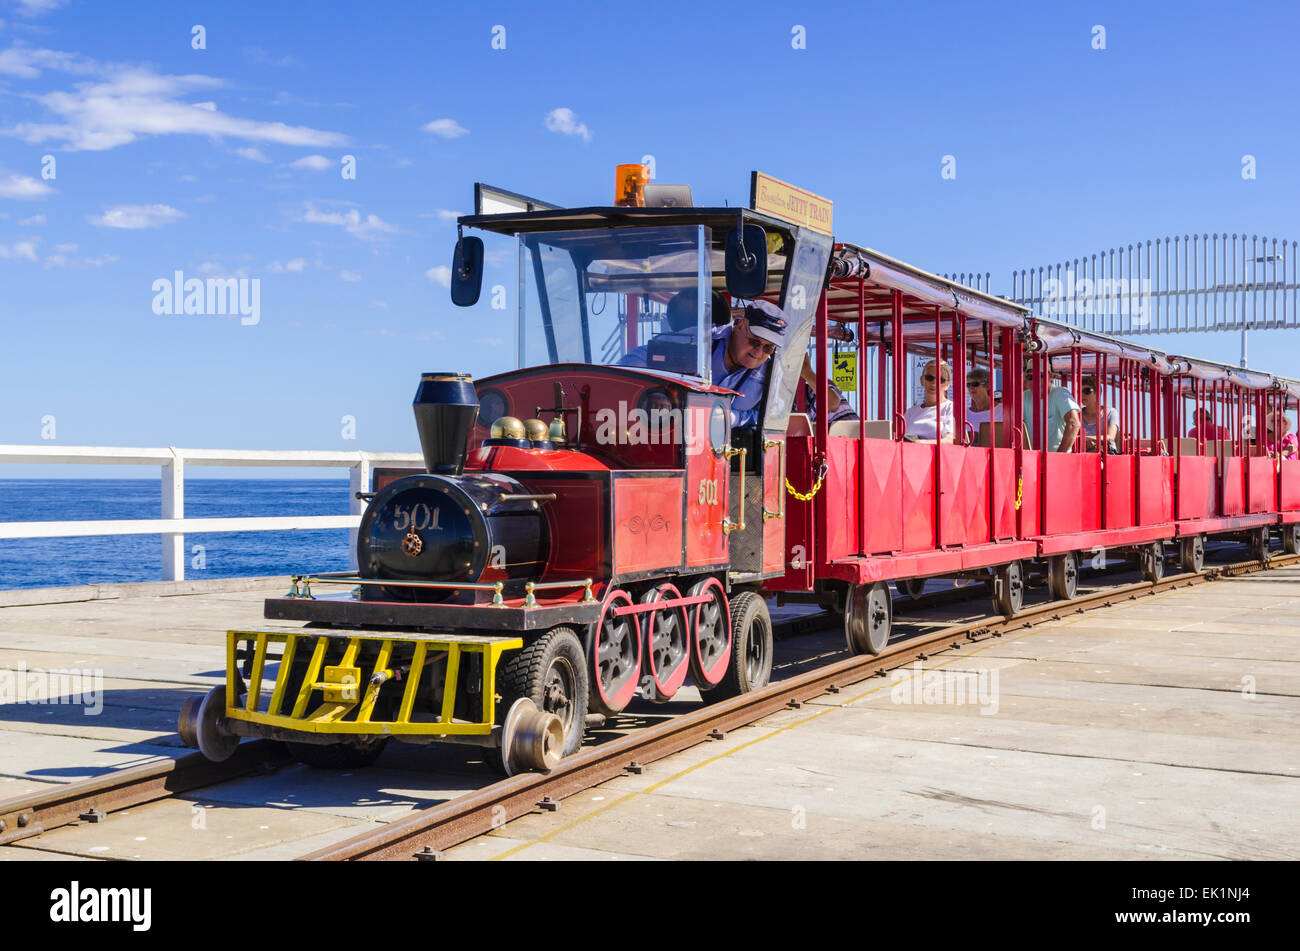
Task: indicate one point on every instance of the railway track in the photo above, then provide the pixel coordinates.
(425, 834)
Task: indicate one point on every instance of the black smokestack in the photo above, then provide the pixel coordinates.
(445, 406)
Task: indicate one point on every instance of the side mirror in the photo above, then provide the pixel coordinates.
(746, 262)
(467, 272)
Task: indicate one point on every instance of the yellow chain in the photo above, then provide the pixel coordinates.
(1020, 491)
(802, 497)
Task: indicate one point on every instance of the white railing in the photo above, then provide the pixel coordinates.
(173, 525)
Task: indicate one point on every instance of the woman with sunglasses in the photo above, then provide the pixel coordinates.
(1090, 410)
(924, 422)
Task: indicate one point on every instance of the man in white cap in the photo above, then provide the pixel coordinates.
(741, 352)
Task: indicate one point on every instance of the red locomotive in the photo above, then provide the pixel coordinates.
(609, 517)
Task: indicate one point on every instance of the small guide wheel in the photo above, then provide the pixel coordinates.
(912, 587)
(531, 739)
(1291, 538)
(202, 724)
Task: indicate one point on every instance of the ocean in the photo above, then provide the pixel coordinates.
(49, 562)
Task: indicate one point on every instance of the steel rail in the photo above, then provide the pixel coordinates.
(424, 834)
(91, 800)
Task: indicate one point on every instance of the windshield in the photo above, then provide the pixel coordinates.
(616, 297)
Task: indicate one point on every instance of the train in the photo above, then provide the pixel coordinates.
(610, 518)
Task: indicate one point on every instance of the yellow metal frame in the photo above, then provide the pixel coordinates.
(347, 686)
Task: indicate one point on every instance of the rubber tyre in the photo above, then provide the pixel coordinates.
(337, 755)
(530, 671)
(1191, 554)
(1009, 589)
(1063, 576)
(751, 649)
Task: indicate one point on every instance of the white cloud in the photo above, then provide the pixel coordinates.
(33, 220)
(65, 249)
(137, 216)
(296, 266)
(130, 102)
(439, 275)
(13, 185)
(19, 251)
(380, 304)
(253, 154)
(317, 163)
(446, 214)
(447, 128)
(564, 120)
(351, 277)
(369, 228)
(33, 8)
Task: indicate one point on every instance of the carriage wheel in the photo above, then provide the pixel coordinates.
(1259, 544)
(667, 649)
(750, 667)
(1153, 561)
(710, 639)
(1009, 589)
(868, 617)
(912, 587)
(1191, 554)
(1291, 538)
(613, 656)
(1063, 576)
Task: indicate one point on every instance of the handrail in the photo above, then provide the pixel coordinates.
(172, 462)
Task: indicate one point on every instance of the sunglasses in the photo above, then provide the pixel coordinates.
(1087, 391)
(974, 385)
(756, 344)
(929, 378)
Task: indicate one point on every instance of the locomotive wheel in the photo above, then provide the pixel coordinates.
(667, 649)
(1153, 561)
(1063, 576)
(912, 587)
(1191, 553)
(1291, 538)
(338, 755)
(1009, 589)
(751, 649)
(1259, 544)
(202, 724)
(710, 635)
(551, 673)
(868, 617)
(613, 657)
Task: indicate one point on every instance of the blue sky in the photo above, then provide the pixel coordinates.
(225, 161)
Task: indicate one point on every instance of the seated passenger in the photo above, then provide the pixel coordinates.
(983, 406)
(924, 423)
(741, 352)
(680, 316)
(1089, 416)
(1279, 441)
(840, 407)
(1063, 423)
(1205, 427)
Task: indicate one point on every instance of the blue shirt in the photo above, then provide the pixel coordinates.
(745, 381)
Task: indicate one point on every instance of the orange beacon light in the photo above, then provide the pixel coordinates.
(629, 185)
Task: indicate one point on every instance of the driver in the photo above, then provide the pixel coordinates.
(741, 352)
